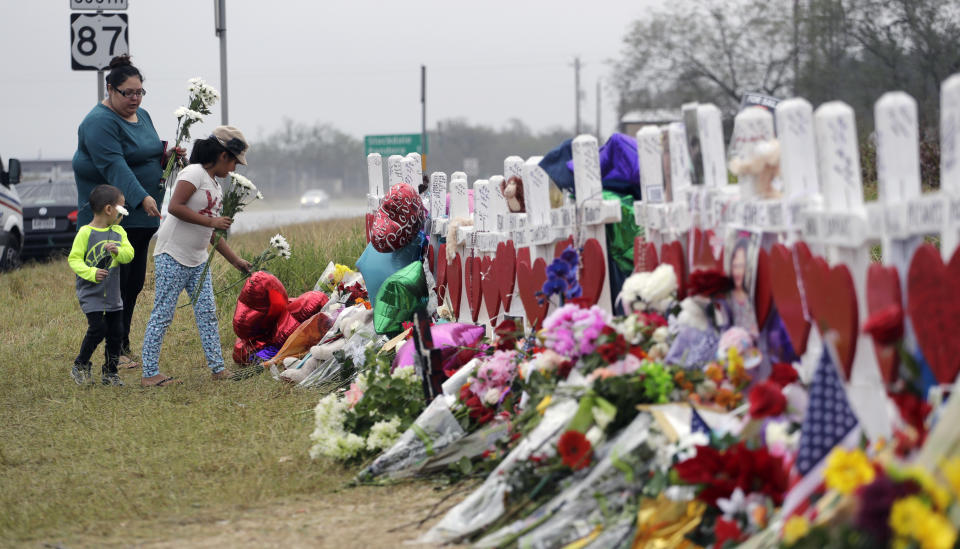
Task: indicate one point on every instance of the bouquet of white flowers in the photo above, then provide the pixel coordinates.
(202, 97)
(241, 192)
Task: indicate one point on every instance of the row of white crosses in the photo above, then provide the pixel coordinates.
(490, 222)
(822, 202)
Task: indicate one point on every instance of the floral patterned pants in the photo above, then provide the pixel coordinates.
(171, 279)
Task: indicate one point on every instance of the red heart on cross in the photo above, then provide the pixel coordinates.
(442, 272)
(472, 279)
(490, 287)
(832, 299)
(785, 287)
(671, 253)
(703, 257)
(763, 293)
(883, 290)
(562, 245)
(523, 254)
(593, 269)
(455, 284)
(505, 271)
(934, 308)
(644, 256)
(529, 282)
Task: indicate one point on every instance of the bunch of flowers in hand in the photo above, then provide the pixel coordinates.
(241, 193)
(202, 97)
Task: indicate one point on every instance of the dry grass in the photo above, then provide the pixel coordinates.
(85, 462)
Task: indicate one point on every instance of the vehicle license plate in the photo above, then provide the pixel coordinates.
(44, 224)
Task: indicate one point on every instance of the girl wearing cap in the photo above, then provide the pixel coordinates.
(181, 250)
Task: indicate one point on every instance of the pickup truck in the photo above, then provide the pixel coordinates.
(11, 217)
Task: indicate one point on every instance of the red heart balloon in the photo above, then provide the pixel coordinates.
(785, 288)
(644, 256)
(883, 290)
(672, 254)
(474, 283)
(490, 287)
(529, 282)
(832, 299)
(562, 245)
(442, 272)
(593, 269)
(934, 308)
(505, 271)
(763, 294)
(369, 225)
(454, 284)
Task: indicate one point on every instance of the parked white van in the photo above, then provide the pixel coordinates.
(11, 217)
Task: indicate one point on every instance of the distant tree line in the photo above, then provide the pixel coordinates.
(852, 50)
(299, 156)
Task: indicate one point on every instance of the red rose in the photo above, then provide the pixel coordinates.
(563, 370)
(914, 411)
(783, 374)
(613, 350)
(506, 333)
(886, 325)
(574, 449)
(709, 282)
(766, 400)
(727, 530)
(652, 319)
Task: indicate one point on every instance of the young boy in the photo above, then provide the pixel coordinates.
(97, 249)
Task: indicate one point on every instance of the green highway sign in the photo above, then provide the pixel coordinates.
(386, 145)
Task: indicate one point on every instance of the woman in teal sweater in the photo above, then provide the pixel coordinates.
(118, 145)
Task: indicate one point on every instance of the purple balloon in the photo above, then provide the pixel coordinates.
(448, 337)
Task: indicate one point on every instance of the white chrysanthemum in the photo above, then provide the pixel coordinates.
(180, 112)
(656, 289)
(406, 373)
(121, 210)
(383, 434)
(285, 254)
(188, 115)
(242, 181)
(259, 195)
(279, 242)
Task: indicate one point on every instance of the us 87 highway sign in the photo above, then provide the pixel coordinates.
(96, 38)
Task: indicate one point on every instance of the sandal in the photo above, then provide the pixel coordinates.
(127, 363)
(225, 373)
(161, 383)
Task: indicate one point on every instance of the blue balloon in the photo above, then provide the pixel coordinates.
(376, 267)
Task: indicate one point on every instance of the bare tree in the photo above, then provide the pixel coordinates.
(709, 50)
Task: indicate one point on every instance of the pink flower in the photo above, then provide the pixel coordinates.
(496, 373)
(572, 331)
(353, 394)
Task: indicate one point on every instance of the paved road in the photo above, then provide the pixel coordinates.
(247, 221)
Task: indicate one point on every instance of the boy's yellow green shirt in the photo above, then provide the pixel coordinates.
(85, 260)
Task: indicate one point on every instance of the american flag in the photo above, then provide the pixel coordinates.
(829, 418)
(697, 424)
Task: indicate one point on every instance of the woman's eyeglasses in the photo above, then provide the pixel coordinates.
(131, 93)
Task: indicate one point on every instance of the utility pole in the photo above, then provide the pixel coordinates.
(220, 27)
(796, 45)
(576, 72)
(423, 119)
(599, 139)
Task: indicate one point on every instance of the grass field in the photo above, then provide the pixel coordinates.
(93, 462)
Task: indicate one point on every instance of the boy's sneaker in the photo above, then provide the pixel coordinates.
(111, 379)
(81, 373)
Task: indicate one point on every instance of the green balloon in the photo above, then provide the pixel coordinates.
(401, 294)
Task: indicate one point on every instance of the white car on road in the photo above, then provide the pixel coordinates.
(11, 217)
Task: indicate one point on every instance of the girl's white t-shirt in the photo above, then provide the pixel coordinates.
(184, 241)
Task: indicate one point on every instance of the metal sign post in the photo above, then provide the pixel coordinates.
(220, 29)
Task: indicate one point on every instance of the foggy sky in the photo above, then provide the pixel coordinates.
(354, 64)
